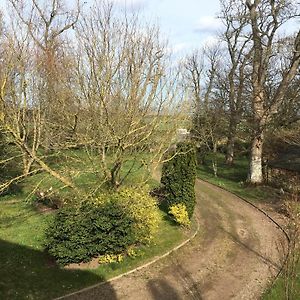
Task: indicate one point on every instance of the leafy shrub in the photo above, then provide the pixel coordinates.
(142, 208)
(132, 252)
(178, 211)
(79, 234)
(106, 225)
(178, 177)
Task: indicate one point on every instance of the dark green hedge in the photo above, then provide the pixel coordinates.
(178, 176)
(78, 234)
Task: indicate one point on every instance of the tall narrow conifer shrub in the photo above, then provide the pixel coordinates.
(178, 176)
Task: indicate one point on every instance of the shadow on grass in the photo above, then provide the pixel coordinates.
(26, 273)
(14, 190)
(7, 220)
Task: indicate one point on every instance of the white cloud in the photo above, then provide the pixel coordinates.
(208, 24)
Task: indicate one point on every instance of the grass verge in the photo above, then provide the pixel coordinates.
(233, 178)
(278, 290)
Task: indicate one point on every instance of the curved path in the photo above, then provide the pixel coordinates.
(236, 254)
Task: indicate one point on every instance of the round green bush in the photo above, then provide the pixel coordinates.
(106, 225)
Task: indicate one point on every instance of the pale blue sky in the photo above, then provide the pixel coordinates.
(187, 24)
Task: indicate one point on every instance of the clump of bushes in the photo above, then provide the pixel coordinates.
(110, 224)
(180, 215)
(178, 177)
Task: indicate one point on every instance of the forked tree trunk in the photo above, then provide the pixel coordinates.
(27, 163)
(115, 175)
(256, 174)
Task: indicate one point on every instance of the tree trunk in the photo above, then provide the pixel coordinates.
(27, 163)
(115, 175)
(214, 160)
(230, 151)
(230, 143)
(256, 174)
(46, 168)
(56, 175)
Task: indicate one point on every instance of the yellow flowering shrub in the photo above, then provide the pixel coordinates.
(110, 258)
(180, 214)
(106, 225)
(131, 252)
(143, 209)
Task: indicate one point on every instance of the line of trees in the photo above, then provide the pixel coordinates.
(100, 80)
(249, 82)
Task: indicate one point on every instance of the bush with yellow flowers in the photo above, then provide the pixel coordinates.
(180, 214)
(105, 226)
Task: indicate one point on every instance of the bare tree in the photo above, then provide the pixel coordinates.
(266, 17)
(200, 72)
(193, 67)
(126, 97)
(47, 24)
(234, 17)
(107, 90)
(21, 115)
(25, 74)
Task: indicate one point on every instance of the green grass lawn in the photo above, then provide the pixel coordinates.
(233, 178)
(85, 172)
(277, 291)
(26, 271)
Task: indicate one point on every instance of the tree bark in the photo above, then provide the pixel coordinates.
(214, 160)
(230, 151)
(231, 142)
(258, 96)
(27, 163)
(256, 174)
(115, 175)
